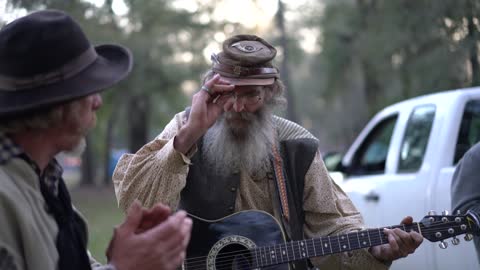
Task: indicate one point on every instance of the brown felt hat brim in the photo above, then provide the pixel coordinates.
(249, 81)
(113, 64)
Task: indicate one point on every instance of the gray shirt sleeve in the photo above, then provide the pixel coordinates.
(465, 187)
(6, 260)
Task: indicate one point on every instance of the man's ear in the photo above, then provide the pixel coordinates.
(62, 110)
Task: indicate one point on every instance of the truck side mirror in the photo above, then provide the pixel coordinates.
(333, 163)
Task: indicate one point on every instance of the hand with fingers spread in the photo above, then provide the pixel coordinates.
(203, 112)
(400, 243)
(150, 239)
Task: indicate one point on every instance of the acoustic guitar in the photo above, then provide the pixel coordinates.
(255, 239)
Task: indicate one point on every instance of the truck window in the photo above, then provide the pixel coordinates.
(372, 154)
(469, 132)
(417, 134)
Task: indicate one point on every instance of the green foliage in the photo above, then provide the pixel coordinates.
(380, 52)
(370, 54)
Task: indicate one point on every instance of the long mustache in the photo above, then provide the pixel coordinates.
(247, 116)
(228, 147)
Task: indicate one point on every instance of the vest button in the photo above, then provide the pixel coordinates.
(233, 189)
(230, 208)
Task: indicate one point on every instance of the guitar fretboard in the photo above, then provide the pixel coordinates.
(297, 250)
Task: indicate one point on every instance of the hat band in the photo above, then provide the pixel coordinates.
(245, 71)
(68, 70)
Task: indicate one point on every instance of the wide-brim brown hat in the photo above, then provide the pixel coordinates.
(46, 59)
(246, 60)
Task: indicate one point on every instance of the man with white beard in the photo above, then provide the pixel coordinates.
(228, 152)
(50, 83)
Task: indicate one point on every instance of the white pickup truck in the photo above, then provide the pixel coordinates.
(402, 164)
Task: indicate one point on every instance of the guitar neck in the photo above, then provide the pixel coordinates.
(297, 250)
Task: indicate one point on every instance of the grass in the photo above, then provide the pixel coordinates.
(99, 206)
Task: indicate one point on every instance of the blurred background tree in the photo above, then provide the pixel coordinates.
(342, 60)
(375, 52)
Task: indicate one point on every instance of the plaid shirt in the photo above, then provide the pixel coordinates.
(52, 173)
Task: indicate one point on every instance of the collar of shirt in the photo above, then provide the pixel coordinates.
(52, 173)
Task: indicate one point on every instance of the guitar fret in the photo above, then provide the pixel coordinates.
(314, 249)
(255, 254)
(321, 245)
(278, 253)
(358, 239)
(264, 256)
(330, 241)
(293, 250)
(290, 254)
(380, 234)
(334, 245)
(351, 242)
(282, 253)
(369, 239)
(339, 244)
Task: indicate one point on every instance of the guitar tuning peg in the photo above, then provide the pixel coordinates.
(445, 212)
(432, 213)
(459, 212)
(468, 237)
(443, 245)
(455, 241)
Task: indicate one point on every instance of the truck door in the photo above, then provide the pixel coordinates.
(386, 177)
(367, 170)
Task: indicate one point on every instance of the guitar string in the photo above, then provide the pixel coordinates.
(305, 240)
(226, 258)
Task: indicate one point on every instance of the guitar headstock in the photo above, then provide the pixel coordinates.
(440, 227)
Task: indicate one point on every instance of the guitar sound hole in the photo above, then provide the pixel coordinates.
(235, 257)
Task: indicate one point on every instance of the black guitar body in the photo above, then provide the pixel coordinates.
(254, 240)
(226, 243)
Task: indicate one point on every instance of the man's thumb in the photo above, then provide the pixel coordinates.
(134, 216)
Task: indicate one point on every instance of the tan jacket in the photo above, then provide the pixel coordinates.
(157, 173)
(27, 232)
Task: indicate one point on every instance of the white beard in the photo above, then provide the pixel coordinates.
(227, 148)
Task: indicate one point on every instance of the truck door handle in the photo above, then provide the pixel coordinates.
(372, 196)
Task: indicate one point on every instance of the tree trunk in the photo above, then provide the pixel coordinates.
(88, 170)
(138, 121)
(285, 73)
(108, 146)
(473, 48)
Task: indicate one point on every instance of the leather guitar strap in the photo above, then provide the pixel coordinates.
(280, 181)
